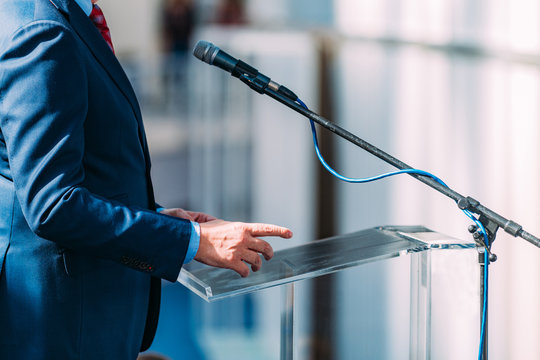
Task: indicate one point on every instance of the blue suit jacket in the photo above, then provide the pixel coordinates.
(79, 240)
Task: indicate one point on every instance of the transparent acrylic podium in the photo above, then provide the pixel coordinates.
(437, 262)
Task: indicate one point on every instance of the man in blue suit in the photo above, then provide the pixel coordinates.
(82, 247)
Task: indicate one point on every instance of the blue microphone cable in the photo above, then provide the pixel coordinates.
(470, 215)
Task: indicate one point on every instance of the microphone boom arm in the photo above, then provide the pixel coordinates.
(488, 217)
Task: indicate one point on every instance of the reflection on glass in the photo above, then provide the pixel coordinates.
(317, 258)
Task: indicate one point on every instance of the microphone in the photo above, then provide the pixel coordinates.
(211, 54)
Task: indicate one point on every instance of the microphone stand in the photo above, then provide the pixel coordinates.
(489, 219)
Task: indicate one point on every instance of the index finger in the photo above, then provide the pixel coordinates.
(269, 230)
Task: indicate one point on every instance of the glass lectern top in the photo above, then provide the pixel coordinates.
(315, 259)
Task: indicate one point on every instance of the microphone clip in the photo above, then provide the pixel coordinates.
(251, 76)
(258, 83)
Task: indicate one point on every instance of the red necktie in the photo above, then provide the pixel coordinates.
(99, 21)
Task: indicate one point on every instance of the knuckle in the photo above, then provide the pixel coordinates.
(242, 230)
(265, 248)
(244, 237)
(241, 227)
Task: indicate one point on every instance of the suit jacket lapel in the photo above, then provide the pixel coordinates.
(91, 36)
(93, 39)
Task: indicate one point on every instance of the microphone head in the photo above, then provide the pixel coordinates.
(205, 51)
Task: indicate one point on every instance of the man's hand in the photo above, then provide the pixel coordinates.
(231, 245)
(189, 215)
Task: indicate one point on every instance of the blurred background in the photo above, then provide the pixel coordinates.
(448, 86)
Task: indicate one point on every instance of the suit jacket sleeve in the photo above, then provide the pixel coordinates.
(43, 107)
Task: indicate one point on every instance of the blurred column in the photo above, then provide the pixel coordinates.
(364, 83)
(522, 141)
(252, 157)
(361, 17)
